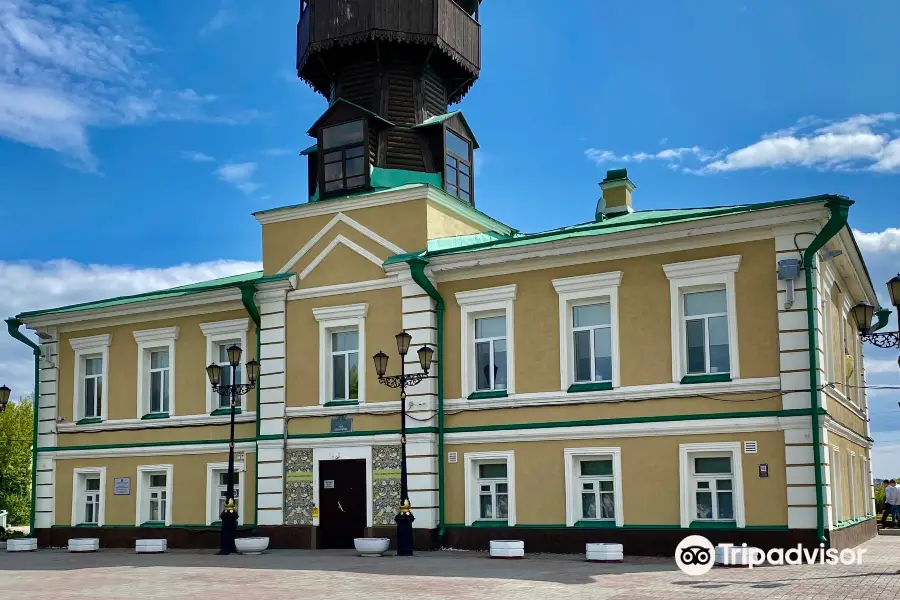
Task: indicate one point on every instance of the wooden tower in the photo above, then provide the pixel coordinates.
(389, 70)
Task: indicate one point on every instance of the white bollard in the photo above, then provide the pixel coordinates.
(156, 546)
(507, 549)
(604, 552)
(84, 544)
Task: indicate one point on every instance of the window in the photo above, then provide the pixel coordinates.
(711, 483)
(866, 487)
(217, 487)
(490, 353)
(593, 486)
(490, 487)
(458, 166)
(704, 320)
(219, 336)
(88, 491)
(837, 500)
(91, 368)
(342, 340)
(154, 493)
(706, 332)
(488, 359)
(156, 366)
(493, 492)
(588, 330)
(343, 156)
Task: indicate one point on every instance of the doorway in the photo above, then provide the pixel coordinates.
(342, 502)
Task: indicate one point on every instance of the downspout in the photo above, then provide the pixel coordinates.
(13, 328)
(839, 207)
(248, 291)
(883, 315)
(417, 270)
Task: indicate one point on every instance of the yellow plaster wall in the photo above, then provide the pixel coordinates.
(383, 321)
(189, 492)
(644, 317)
(442, 223)
(343, 265)
(190, 364)
(650, 482)
(167, 434)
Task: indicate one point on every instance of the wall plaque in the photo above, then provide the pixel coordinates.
(122, 486)
(763, 470)
(341, 424)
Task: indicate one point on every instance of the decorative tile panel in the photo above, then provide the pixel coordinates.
(385, 484)
(298, 487)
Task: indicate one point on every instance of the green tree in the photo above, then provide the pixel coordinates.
(16, 434)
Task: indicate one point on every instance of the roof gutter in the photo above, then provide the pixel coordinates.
(840, 208)
(248, 293)
(417, 271)
(13, 325)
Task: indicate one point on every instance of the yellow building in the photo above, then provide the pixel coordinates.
(633, 378)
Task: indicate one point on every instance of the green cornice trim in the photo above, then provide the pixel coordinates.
(305, 436)
(488, 524)
(713, 525)
(612, 525)
(144, 445)
(595, 386)
(342, 403)
(852, 522)
(158, 525)
(155, 416)
(90, 421)
(707, 378)
(224, 411)
(153, 524)
(590, 524)
(88, 525)
(488, 395)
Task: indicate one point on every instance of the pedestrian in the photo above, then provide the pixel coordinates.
(888, 502)
(895, 511)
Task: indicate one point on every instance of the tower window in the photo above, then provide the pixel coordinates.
(343, 156)
(457, 166)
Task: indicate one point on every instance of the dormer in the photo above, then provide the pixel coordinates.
(452, 147)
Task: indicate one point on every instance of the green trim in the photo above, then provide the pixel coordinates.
(311, 150)
(342, 403)
(248, 291)
(852, 522)
(594, 386)
(155, 416)
(884, 315)
(216, 524)
(159, 525)
(713, 525)
(840, 208)
(382, 178)
(487, 395)
(488, 524)
(88, 525)
(248, 299)
(224, 411)
(144, 445)
(90, 421)
(591, 524)
(707, 378)
(12, 327)
(153, 524)
(305, 436)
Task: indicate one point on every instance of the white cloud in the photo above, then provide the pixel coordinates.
(218, 21)
(879, 241)
(240, 175)
(875, 365)
(33, 286)
(860, 142)
(68, 67)
(197, 156)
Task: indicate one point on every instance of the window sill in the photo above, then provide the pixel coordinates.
(90, 421)
(487, 395)
(707, 378)
(224, 411)
(342, 403)
(592, 524)
(594, 386)
(87, 525)
(153, 524)
(216, 524)
(155, 416)
(712, 525)
(490, 523)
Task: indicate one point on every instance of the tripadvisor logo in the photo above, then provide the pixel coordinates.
(695, 555)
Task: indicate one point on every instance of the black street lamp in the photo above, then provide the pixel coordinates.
(863, 313)
(233, 390)
(404, 518)
(4, 397)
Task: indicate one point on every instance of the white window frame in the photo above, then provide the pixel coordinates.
(851, 475)
(487, 302)
(866, 487)
(217, 333)
(212, 489)
(333, 319)
(580, 291)
(837, 495)
(152, 340)
(686, 452)
(471, 461)
(572, 457)
(84, 348)
(699, 276)
(79, 477)
(142, 503)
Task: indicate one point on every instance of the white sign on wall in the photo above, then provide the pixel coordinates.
(122, 486)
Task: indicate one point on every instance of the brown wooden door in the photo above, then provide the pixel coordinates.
(342, 502)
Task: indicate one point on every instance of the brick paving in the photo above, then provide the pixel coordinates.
(199, 575)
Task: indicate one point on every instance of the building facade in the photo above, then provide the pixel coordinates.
(633, 378)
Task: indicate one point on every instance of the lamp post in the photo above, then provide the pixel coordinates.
(4, 397)
(233, 390)
(404, 518)
(863, 313)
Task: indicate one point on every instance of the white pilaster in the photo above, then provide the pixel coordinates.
(46, 406)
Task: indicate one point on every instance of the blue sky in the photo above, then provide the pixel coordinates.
(132, 159)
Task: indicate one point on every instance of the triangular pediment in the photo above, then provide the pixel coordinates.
(341, 261)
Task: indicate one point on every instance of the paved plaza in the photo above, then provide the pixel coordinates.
(448, 574)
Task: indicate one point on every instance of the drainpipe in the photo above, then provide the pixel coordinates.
(248, 291)
(839, 207)
(417, 270)
(13, 328)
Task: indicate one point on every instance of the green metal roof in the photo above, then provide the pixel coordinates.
(310, 150)
(437, 119)
(254, 277)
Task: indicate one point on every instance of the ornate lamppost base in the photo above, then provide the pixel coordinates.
(229, 532)
(404, 533)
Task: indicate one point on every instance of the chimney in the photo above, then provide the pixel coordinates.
(616, 198)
